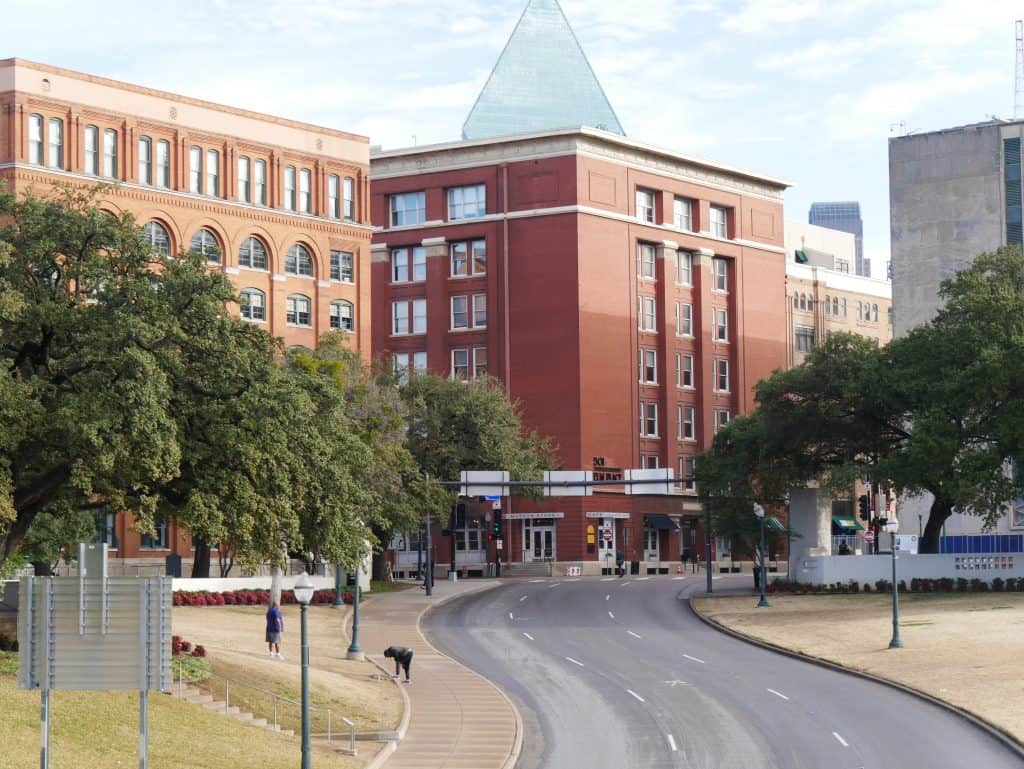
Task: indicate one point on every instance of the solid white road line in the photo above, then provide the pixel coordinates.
(672, 742)
(554, 584)
(779, 694)
(641, 579)
(528, 636)
(611, 615)
(608, 579)
(693, 658)
(636, 695)
(842, 742)
(576, 662)
(635, 635)
(536, 580)
(523, 598)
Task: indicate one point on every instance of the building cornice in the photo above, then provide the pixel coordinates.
(840, 281)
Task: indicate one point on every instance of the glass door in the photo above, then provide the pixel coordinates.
(651, 537)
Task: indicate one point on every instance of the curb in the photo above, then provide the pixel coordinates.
(517, 741)
(1008, 740)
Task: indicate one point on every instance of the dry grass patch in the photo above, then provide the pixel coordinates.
(963, 648)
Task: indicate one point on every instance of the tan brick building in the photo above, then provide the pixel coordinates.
(281, 207)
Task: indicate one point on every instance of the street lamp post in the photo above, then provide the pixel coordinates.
(759, 512)
(303, 590)
(895, 643)
(355, 651)
(338, 602)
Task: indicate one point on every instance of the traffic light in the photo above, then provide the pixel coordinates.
(862, 504)
(496, 525)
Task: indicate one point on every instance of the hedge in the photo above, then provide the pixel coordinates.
(248, 597)
(917, 585)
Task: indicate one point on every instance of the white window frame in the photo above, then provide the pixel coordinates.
(110, 169)
(649, 419)
(400, 317)
(684, 319)
(686, 418)
(260, 182)
(292, 309)
(805, 333)
(400, 365)
(247, 247)
(479, 311)
(348, 199)
(720, 324)
(647, 365)
(334, 196)
(55, 143)
(646, 200)
(162, 164)
(722, 418)
(684, 268)
(36, 148)
(213, 173)
(459, 312)
(460, 352)
(479, 360)
(721, 272)
(719, 221)
(343, 267)
(684, 370)
(682, 213)
(206, 240)
(91, 144)
(407, 208)
(687, 465)
(419, 362)
(647, 314)
(246, 308)
(195, 170)
(467, 202)
(337, 314)
(244, 179)
(297, 268)
(721, 370)
(289, 201)
(145, 147)
(646, 261)
(419, 316)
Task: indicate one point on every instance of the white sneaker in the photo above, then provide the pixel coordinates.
(280, 656)
(408, 680)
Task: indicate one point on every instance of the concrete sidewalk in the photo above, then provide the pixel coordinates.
(459, 720)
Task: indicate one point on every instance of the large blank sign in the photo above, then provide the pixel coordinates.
(94, 632)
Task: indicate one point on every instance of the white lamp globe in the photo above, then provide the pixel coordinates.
(303, 589)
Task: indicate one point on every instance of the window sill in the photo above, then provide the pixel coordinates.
(264, 270)
(252, 320)
(299, 325)
(407, 282)
(301, 277)
(343, 330)
(468, 277)
(343, 282)
(401, 334)
(686, 387)
(466, 329)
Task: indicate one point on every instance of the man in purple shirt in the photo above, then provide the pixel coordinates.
(275, 627)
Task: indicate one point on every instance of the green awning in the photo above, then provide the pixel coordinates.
(801, 257)
(846, 523)
(773, 524)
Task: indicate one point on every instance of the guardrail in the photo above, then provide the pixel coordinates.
(276, 699)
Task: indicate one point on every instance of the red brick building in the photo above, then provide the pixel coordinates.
(630, 297)
(279, 206)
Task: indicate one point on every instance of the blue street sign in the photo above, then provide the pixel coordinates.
(492, 498)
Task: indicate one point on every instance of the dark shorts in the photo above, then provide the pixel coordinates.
(273, 638)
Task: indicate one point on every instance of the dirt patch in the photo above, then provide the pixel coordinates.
(965, 649)
(234, 640)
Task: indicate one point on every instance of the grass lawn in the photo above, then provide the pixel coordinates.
(963, 648)
(100, 729)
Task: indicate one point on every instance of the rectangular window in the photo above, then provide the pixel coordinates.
(647, 366)
(645, 205)
(860, 311)
(333, 192)
(685, 416)
(645, 260)
(684, 319)
(460, 312)
(460, 260)
(163, 163)
(804, 338)
(647, 313)
(649, 419)
(349, 210)
(157, 540)
(650, 461)
(343, 266)
(419, 316)
(467, 202)
(195, 170)
(289, 188)
(460, 363)
(106, 531)
(400, 365)
(298, 311)
(305, 199)
(56, 140)
(213, 173)
(400, 265)
(720, 324)
(721, 375)
(684, 268)
(110, 153)
(479, 362)
(145, 160)
(400, 317)
(685, 366)
(244, 188)
(419, 363)
(408, 208)
(469, 258)
(682, 213)
(721, 268)
(260, 182)
(479, 257)
(719, 222)
(686, 466)
(479, 310)
(35, 139)
(722, 417)
(92, 150)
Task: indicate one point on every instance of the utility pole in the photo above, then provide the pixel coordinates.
(428, 574)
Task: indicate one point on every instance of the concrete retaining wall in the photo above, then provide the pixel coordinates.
(823, 570)
(218, 585)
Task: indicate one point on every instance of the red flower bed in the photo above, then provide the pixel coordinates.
(249, 597)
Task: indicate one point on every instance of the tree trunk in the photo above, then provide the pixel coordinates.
(379, 569)
(942, 508)
(201, 561)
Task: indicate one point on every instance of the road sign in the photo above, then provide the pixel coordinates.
(869, 537)
(491, 498)
(499, 544)
(907, 543)
(607, 535)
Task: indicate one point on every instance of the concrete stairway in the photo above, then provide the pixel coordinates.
(196, 697)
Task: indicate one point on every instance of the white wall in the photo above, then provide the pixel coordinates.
(219, 585)
(824, 570)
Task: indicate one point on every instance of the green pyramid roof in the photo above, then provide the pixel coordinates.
(542, 81)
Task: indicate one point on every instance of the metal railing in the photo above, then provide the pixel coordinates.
(276, 699)
(853, 541)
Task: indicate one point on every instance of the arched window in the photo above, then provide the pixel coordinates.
(342, 316)
(828, 305)
(796, 301)
(253, 303)
(205, 243)
(156, 236)
(298, 261)
(803, 301)
(298, 310)
(252, 253)
(835, 306)
(35, 139)
(874, 313)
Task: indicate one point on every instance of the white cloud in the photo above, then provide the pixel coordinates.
(764, 15)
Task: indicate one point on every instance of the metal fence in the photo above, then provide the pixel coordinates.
(977, 544)
(853, 541)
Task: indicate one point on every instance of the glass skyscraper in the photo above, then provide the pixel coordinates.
(845, 217)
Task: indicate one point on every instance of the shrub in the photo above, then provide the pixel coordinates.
(978, 585)
(199, 651)
(867, 587)
(186, 647)
(946, 585)
(962, 584)
(998, 585)
(250, 598)
(190, 669)
(903, 586)
(915, 584)
(8, 644)
(854, 586)
(883, 586)
(1011, 584)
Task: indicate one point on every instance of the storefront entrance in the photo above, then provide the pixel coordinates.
(538, 539)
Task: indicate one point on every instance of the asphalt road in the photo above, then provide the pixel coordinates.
(619, 673)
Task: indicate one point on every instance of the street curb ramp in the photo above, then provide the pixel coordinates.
(1007, 739)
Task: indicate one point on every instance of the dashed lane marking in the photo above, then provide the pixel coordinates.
(779, 694)
(532, 581)
(510, 615)
(642, 579)
(608, 597)
(636, 695)
(694, 659)
(576, 662)
(523, 598)
(528, 636)
(611, 615)
(842, 742)
(635, 635)
(607, 579)
(672, 742)
(676, 579)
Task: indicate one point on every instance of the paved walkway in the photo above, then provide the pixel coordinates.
(459, 720)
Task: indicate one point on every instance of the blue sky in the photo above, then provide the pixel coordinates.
(809, 90)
